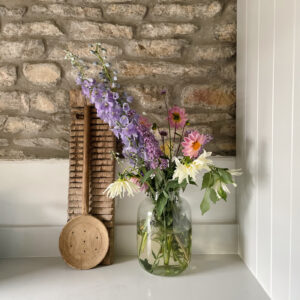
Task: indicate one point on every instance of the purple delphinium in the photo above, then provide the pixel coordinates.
(139, 143)
(153, 154)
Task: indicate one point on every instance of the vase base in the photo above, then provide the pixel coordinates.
(168, 270)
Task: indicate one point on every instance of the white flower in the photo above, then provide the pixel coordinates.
(183, 171)
(218, 184)
(225, 188)
(235, 172)
(120, 187)
(202, 162)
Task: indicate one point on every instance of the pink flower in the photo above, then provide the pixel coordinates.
(177, 117)
(193, 143)
(144, 121)
(143, 187)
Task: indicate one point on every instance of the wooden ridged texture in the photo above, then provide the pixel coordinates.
(102, 143)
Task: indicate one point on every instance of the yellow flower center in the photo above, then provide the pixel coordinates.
(196, 146)
(176, 117)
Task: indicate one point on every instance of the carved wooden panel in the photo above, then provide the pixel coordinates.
(102, 168)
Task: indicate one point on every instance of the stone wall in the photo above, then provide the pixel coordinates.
(186, 47)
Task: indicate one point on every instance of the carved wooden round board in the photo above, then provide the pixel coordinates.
(84, 242)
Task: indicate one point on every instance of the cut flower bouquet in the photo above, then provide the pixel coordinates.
(162, 163)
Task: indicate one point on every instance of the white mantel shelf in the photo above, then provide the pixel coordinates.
(211, 277)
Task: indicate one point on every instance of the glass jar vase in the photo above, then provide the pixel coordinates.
(164, 238)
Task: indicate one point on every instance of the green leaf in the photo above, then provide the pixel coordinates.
(146, 176)
(161, 203)
(192, 182)
(159, 175)
(205, 206)
(166, 194)
(146, 265)
(172, 185)
(213, 196)
(183, 185)
(225, 176)
(207, 180)
(222, 193)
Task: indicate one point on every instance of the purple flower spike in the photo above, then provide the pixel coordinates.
(126, 107)
(124, 121)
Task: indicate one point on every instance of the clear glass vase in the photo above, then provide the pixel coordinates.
(164, 242)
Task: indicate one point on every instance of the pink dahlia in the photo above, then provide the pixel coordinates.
(177, 117)
(193, 143)
(143, 187)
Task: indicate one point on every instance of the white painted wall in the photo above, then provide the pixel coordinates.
(268, 110)
(33, 209)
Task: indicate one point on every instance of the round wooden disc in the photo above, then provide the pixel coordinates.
(84, 242)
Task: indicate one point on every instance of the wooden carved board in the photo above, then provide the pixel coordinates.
(102, 167)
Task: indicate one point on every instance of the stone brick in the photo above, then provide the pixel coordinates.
(8, 76)
(4, 142)
(80, 49)
(13, 154)
(228, 72)
(44, 74)
(228, 129)
(16, 50)
(91, 72)
(15, 102)
(227, 146)
(211, 53)
(168, 1)
(231, 7)
(45, 28)
(3, 119)
(131, 69)
(16, 13)
(54, 1)
(96, 2)
(208, 117)
(147, 96)
(24, 125)
(92, 30)
(134, 12)
(225, 32)
(166, 30)
(204, 129)
(64, 10)
(155, 48)
(187, 12)
(43, 103)
(49, 102)
(208, 97)
(51, 143)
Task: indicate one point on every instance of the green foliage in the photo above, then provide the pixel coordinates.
(205, 206)
(161, 203)
(146, 265)
(212, 183)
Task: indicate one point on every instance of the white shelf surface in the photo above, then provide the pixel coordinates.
(211, 277)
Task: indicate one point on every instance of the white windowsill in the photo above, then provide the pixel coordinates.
(211, 277)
